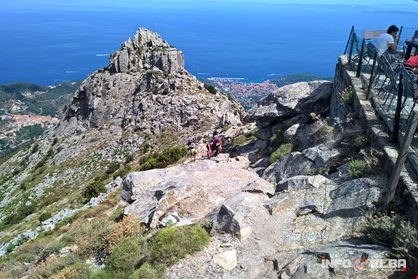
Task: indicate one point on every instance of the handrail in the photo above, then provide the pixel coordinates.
(371, 74)
(360, 59)
(349, 38)
(353, 39)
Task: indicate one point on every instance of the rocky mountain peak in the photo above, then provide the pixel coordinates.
(145, 90)
(146, 51)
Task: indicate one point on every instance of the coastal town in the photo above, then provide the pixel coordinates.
(246, 93)
(18, 121)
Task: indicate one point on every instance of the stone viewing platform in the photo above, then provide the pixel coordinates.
(377, 121)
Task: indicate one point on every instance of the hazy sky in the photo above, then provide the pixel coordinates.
(103, 4)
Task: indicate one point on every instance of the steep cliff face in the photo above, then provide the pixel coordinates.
(146, 88)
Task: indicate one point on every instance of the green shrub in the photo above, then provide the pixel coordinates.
(50, 153)
(357, 168)
(244, 138)
(103, 274)
(93, 190)
(129, 158)
(322, 132)
(347, 96)
(35, 148)
(54, 141)
(15, 172)
(207, 225)
(23, 186)
(282, 150)
(150, 163)
(146, 271)
(277, 140)
(19, 214)
(51, 248)
(122, 172)
(164, 158)
(171, 244)
(210, 88)
(146, 147)
(114, 166)
(399, 234)
(360, 142)
(127, 254)
(41, 163)
(44, 216)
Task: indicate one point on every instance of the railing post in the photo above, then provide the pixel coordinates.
(371, 77)
(399, 34)
(349, 38)
(351, 47)
(360, 59)
(394, 179)
(396, 119)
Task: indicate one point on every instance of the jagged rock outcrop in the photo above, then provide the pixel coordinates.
(146, 51)
(292, 103)
(295, 108)
(145, 89)
(154, 194)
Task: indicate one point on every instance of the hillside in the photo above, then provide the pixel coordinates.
(26, 98)
(27, 110)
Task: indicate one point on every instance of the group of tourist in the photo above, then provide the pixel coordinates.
(389, 42)
(213, 146)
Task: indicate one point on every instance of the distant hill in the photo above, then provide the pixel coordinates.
(26, 110)
(39, 100)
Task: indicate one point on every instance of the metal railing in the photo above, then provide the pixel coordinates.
(389, 85)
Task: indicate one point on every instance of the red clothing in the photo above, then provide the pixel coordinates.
(412, 61)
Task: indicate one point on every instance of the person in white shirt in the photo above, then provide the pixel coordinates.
(387, 40)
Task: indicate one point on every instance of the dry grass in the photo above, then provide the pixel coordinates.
(129, 226)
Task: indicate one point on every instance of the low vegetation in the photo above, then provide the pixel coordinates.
(360, 142)
(394, 232)
(280, 152)
(171, 244)
(357, 168)
(210, 88)
(124, 247)
(347, 96)
(243, 139)
(164, 158)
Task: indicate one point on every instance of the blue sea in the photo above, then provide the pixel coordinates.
(248, 41)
